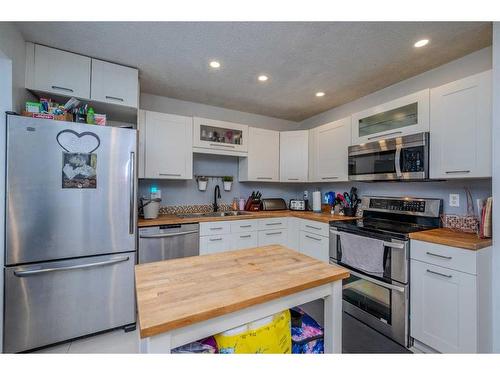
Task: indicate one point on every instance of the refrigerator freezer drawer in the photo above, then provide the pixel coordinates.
(51, 302)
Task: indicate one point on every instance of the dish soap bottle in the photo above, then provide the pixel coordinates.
(90, 116)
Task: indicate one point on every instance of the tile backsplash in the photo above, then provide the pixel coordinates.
(185, 192)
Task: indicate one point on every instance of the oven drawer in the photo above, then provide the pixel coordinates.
(315, 227)
(444, 256)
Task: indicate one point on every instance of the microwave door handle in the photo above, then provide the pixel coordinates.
(396, 288)
(397, 160)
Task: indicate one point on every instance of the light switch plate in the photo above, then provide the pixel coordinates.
(454, 200)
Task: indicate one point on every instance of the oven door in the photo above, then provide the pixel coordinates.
(402, 158)
(381, 305)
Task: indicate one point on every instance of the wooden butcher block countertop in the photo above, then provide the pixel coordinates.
(174, 219)
(179, 292)
(448, 237)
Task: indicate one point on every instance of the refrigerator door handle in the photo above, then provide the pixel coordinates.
(32, 272)
(132, 192)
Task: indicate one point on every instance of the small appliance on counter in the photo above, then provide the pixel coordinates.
(298, 205)
(253, 201)
(273, 204)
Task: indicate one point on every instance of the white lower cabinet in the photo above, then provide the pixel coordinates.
(293, 233)
(450, 302)
(314, 245)
(215, 244)
(273, 237)
(244, 240)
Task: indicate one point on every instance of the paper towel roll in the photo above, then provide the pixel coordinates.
(317, 201)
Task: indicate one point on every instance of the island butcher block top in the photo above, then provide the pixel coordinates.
(175, 293)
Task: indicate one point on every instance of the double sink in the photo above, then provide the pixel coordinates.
(212, 214)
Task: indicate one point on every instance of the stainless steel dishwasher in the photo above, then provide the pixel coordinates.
(168, 242)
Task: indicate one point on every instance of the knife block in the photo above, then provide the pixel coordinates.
(252, 204)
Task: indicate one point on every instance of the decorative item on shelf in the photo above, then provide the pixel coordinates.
(228, 182)
(202, 182)
(468, 223)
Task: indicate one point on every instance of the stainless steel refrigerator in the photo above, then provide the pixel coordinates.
(70, 243)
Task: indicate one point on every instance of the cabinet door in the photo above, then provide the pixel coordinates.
(167, 142)
(61, 72)
(402, 116)
(443, 308)
(461, 128)
(263, 160)
(215, 244)
(244, 240)
(273, 237)
(294, 154)
(113, 83)
(314, 246)
(219, 137)
(330, 154)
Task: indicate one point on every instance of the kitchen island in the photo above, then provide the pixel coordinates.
(187, 299)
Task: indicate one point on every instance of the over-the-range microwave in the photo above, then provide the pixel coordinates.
(400, 158)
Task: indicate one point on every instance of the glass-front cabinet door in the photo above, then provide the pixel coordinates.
(219, 137)
(403, 116)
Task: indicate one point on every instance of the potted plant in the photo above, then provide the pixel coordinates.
(202, 183)
(228, 182)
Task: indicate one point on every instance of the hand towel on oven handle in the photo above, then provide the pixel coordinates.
(363, 253)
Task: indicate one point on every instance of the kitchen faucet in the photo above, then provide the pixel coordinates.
(216, 195)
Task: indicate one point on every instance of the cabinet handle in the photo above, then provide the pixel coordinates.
(216, 228)
(330, 178)
(215, 239)
(464, 171)
(221, 145)
(170, 174)
(264, 178)
(439, 256)
(313, 238)
(273, 233)
(273, 223)
(246, 236)
(293, 179)
(62, 88)
(312, 227)
(114, 98)
(440, 274)
(384, 135)
(246, 226)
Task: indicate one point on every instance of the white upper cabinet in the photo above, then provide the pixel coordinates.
(328, 151)
(59, 72)
(219, 137)
(294, 156)
(165, 146)
(112, 83)
(402, 116)
(461, 122)
(263, 160)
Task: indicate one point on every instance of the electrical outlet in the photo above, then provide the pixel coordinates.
(454, 200)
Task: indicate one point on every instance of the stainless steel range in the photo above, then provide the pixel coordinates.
(376, 249)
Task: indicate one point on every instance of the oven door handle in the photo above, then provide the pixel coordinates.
(399, 289)
(393, 245)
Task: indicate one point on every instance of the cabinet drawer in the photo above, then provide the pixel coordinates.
(274, 223)
(273, 237)
(238, 226)
(314, 246)
(244, 240)
(315, 227)
(215, 244)
(444, 256)
(216, 227)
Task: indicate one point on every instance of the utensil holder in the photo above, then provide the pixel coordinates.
(349, 211)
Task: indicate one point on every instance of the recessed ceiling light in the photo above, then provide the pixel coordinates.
(319, 94)
(214, 64)
(421, 43)
(262, 78)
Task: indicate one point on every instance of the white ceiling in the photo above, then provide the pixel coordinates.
(347, 60)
